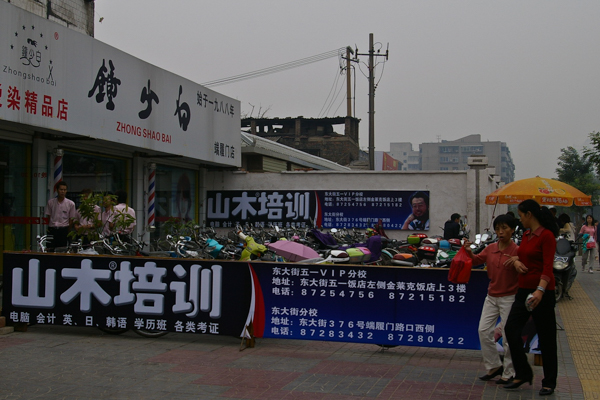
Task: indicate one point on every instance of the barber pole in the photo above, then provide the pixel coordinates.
(58, 168)
(151, 179)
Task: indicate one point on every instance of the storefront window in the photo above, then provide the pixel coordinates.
(14, 189)
(101, 174)
(175, 195)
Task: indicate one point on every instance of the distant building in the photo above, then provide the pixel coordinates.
(409, 158)
(452, 155)
(385, 162)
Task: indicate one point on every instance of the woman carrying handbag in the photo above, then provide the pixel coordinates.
(589, 245)
(535, 296)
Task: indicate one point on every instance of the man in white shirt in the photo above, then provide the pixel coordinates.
(62, 213)
(119, 215)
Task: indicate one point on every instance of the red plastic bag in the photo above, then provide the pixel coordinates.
(460, 268)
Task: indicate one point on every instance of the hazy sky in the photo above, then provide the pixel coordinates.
(525, 72)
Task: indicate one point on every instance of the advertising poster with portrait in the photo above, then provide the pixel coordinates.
(397, 209)
(175, 194)
(183, 190)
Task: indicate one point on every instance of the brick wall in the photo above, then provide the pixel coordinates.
(75, 14)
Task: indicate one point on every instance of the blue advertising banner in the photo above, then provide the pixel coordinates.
(353, 303)
(327, 209)
(379, 305)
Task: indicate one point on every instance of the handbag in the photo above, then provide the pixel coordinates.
(460, 268)
(591, 243)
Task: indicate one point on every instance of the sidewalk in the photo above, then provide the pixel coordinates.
(51, 362)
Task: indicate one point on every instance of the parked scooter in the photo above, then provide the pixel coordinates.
(564, 267)
(252, 250)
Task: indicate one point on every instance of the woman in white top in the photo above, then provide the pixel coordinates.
(566, 227)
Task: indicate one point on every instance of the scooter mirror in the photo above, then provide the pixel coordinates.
(484, 237)
(478, 238)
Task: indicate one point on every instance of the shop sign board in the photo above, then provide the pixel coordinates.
(323, 208)
(351, 303)
(56, 78)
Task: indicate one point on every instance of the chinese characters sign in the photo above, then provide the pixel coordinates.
(157, 294)
(328, 209)
(391, 306)
(377, 305)
(56, 78)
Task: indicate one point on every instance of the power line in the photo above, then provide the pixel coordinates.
(331, 91)
(276, 68)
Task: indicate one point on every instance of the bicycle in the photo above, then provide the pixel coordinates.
(42, 243)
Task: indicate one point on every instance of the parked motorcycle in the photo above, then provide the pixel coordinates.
(564, 267)
(252, 250)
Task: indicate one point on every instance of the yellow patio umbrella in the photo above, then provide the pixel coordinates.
(547, 192)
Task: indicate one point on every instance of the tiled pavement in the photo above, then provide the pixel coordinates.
(83, 363)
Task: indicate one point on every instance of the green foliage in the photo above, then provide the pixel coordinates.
(88, 211)
(577, 170)
(178, 227)
(122, 220)
(593, 154)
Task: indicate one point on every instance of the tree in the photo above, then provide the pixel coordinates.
(593, 154)
(578, 171)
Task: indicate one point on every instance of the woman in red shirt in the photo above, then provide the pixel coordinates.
(500, 298)
(535, 265)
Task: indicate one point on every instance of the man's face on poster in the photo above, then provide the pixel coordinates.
(419, 207)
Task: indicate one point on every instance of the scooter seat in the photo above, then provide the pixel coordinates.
(563, 246)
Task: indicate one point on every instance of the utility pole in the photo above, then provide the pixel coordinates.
(348, 82)
(371, 105)
(372, 56)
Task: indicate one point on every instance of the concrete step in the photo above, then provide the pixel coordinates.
(6, 330)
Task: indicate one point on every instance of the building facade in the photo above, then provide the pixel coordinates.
(75, 109)
(403, 152)
(452, 155)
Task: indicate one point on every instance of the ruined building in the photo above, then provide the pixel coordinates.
(314, 136)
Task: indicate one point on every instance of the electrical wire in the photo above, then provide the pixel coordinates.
(332, 90)
(276, 68)
(337, 95)
(329, 101)
(342, 100)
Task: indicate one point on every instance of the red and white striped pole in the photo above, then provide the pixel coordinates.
(151, 188)
(58, 168)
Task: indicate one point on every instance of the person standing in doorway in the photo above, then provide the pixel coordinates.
(61, 212)
(118, 218)
(108, 204)
(86, 225)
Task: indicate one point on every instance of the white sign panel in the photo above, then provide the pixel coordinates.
(56, 78)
